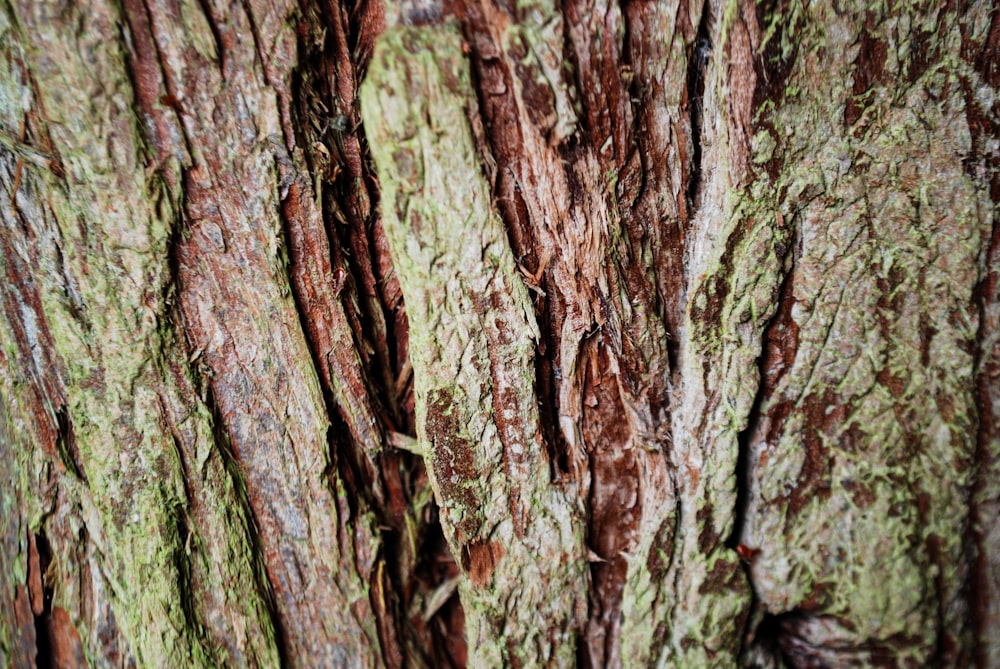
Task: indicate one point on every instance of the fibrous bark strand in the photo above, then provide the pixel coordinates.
(630, 323)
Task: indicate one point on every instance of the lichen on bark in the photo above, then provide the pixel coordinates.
(859, 465)
(134, 437)
(685, 284)
(473, 335)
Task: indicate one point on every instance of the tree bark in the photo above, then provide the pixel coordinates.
(486, 334)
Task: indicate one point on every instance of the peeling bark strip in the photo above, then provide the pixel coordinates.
(473, 340)
(128, 524)
(181, 564)
(705, 308)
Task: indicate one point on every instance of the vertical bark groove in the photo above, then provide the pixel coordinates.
(464, 333)
(473, 337)
(980, 47)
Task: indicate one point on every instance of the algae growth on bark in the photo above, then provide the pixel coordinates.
(499, 334)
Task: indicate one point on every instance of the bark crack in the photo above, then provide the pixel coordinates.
(223, 446)
(66, 444)
(39, 559)
(753, 625)
(698, 59)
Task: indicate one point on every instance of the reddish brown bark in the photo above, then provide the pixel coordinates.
(758, 250)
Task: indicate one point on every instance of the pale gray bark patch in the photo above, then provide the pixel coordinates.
(861, 461)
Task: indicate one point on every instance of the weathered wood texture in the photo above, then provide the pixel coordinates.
(461, 332)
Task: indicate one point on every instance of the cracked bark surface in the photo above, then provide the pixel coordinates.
(474, 333)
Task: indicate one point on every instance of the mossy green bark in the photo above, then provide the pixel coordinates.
(183, 594)
(822, 311)
(472, 337)
(860, 467)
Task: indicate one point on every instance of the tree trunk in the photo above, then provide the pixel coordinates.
(466, 333)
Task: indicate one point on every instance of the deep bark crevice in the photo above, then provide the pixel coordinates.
(756, 630)
(485, 74)
(771, 638)
(66, 444)
(219, 40)
(326, 87)
(322, 90)
(744, 472)
(979, 593)
(983, 124)
(40, 557)
(180, 515)
(699, 56)
(447, 643)
(571, 65)
(181, 560)
(499, 117)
